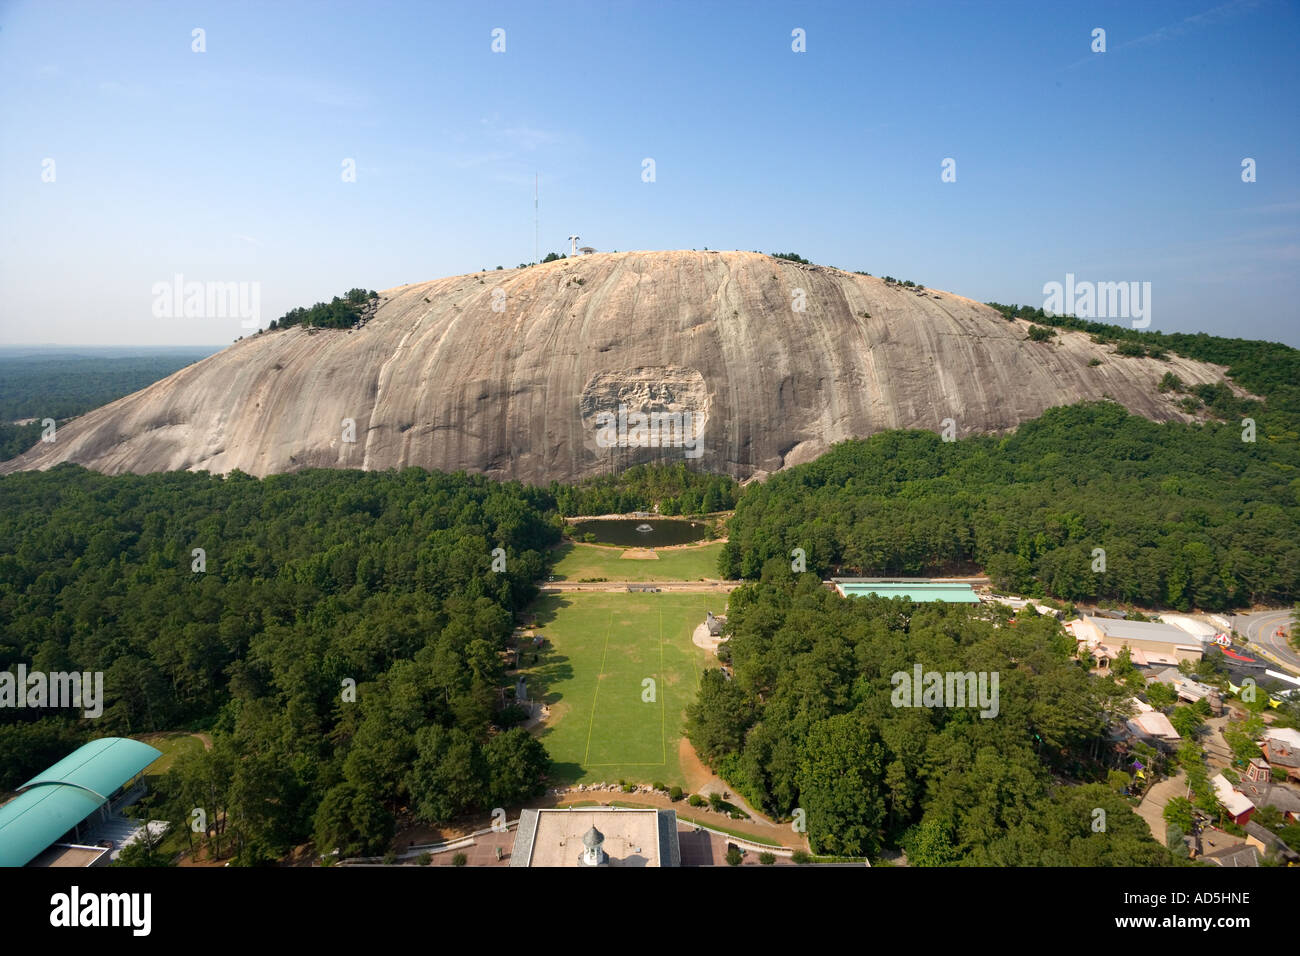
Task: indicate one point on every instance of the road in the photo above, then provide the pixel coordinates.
(1259, 630)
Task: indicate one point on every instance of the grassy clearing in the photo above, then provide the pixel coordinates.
(578, 561)
(602, 649)
(172, 746)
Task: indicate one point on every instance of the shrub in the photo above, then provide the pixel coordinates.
(390, 858)
(1131, 349)
(715, 801)
(510, 715)
(801, 857)
(675, 793)
(734, 856)
(1170, 382)
(695, 800)
(460, 859)
(767, 859)
(1040, 333)
(424, 859)
(1094, 362)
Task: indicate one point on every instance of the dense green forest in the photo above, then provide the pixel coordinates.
(309, 581)
(16, 439)
(1187, 515)
(808, 724)
(46, 385)
(54, 386)
(674, 488)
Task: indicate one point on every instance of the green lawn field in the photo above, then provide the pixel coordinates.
(576, 562)
(601, 649)
(172, 746)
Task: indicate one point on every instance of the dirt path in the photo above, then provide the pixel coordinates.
(1152, 807)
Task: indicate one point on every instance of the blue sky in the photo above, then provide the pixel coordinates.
(226, 165)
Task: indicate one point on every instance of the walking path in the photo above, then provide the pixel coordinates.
(1152, 807)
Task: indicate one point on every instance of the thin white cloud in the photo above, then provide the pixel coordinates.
(1205, 18)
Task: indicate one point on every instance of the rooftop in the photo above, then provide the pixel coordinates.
(1287, 735)
(1243, 855)
(55, 801)
(1143, 631)
(1154, 724)
(1235, 803)
(631, 837)
(1267, 794)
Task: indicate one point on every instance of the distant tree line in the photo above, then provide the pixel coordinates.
(60, 388)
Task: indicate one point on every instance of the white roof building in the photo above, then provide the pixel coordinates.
(1287, 735)
(1233, 801)
(1148, 643)
(1153, 724)
(1200, 630)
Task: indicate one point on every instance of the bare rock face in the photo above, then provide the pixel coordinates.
(587, 365)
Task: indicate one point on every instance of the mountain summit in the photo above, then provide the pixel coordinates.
(739, 362)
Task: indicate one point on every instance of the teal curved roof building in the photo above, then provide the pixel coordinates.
(56, 800)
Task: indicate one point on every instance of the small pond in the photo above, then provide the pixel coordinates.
(631, 533)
